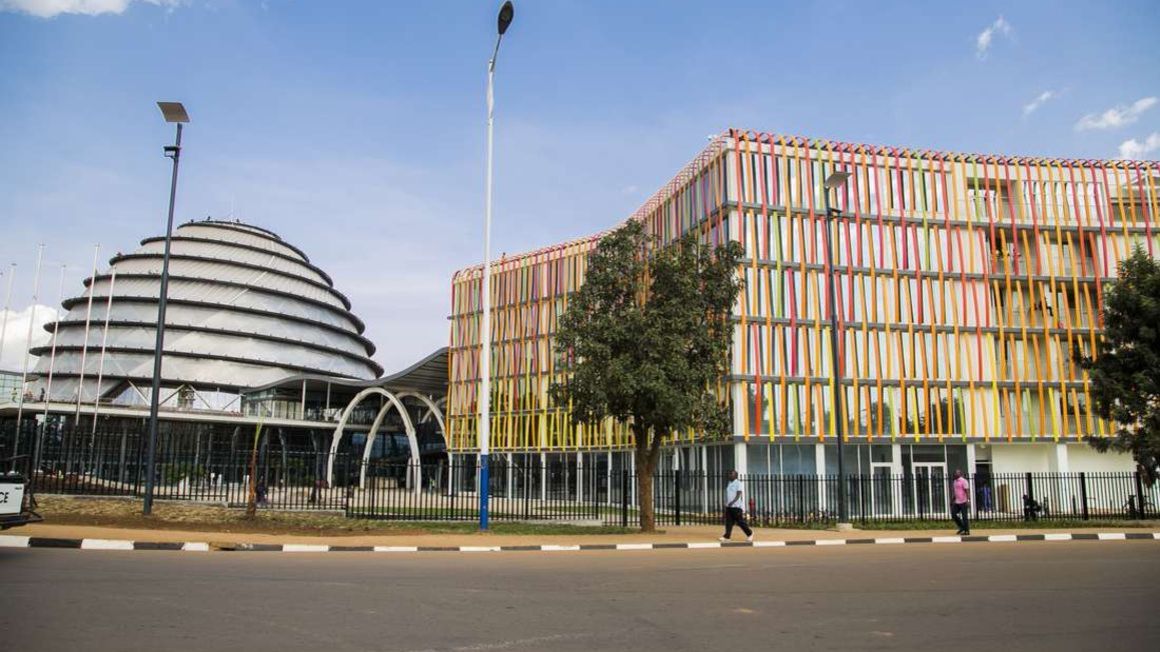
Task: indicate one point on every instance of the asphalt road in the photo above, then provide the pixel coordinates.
(1030, 596)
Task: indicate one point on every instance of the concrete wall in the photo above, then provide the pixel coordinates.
(1021, 458)
(1082, 457)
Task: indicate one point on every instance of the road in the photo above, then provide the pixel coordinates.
(1029, 596)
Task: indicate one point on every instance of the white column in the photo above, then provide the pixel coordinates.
(896, 459)
(543, 477)
(608, 477)
(741, 457)
(820, 470)
(970, 470)
(508, 472)
(1059, 461)
(579, 477)
(1060, 464)
(704, 478)
(632, 477)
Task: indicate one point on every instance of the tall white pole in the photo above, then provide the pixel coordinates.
(85, 346)
(104, 342)
(51, 369)
(485, 320)
(28, 343)
(52, 354)
(7, 303)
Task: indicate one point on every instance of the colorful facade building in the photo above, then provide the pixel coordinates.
(964, 282)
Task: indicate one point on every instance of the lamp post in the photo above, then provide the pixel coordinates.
(836, 180)
(174, 113)
(504, 20)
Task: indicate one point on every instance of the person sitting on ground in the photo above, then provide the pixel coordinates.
(1031, 508)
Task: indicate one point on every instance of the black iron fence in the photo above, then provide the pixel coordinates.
(191, 467)
(533, 492)
(112, 463)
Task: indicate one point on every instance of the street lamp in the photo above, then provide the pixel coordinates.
(504, 20)
(836, 180)
(174, 113)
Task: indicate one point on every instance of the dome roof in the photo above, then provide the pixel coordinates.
(244, 309)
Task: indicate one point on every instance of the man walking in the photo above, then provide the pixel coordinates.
(961, 504)
(734, 499)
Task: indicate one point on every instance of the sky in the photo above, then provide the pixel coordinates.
(356, 129)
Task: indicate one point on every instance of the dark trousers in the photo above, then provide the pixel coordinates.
(961, 513)
(734, 515)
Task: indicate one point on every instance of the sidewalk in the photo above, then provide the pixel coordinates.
(672, 537)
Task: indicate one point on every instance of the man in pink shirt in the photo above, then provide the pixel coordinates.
(961, 504)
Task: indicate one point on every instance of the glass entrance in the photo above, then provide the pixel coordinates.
(930, 489)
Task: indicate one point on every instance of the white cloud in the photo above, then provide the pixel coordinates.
(985, 37)
(16, 334)
(1033, 105)
(53, 8)
(1134, 149)
(1117, 116)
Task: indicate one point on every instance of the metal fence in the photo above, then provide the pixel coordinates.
(186, 468)
(190, 467)
(533, 492)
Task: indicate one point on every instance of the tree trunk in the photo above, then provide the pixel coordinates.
(647, 453)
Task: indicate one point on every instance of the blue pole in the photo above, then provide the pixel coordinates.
(484, 490)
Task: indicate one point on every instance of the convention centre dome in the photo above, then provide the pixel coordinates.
(244, 309)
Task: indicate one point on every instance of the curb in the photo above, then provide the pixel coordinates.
(9, 541)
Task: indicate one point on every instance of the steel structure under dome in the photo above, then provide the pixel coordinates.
(245, 309)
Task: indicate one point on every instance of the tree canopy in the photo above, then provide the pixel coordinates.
(1125, 369)
(646, 341)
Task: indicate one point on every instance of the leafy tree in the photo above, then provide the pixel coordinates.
(1125, 370)
(646, 341)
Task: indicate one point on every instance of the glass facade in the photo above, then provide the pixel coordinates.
(963, 283)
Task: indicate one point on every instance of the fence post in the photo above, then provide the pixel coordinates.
(1140, 504)
(1083, 493)
(624, 498)
(1030, 495)
(677, 494)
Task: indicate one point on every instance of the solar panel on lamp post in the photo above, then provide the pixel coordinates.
(174, 113)
(834, 181)
(503, 21)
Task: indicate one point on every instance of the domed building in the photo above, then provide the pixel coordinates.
(245, 309)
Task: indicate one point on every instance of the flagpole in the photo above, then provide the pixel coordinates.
(7, 302)
(104, 343)
(28, 345)
(85, 345)
(52, 355)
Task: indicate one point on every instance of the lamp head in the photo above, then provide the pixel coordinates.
(836, 180)
(506, 13)
(173, 111)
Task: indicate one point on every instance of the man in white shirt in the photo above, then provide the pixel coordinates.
(734, 514)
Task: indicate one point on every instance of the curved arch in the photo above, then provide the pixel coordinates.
(432, 408)
(412, 439)
(336, 440)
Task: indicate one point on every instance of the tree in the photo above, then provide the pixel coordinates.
(646, 341)
(1125, 370)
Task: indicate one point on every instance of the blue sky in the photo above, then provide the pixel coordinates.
(356, 129)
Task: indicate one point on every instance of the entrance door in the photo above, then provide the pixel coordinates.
(930, 489)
